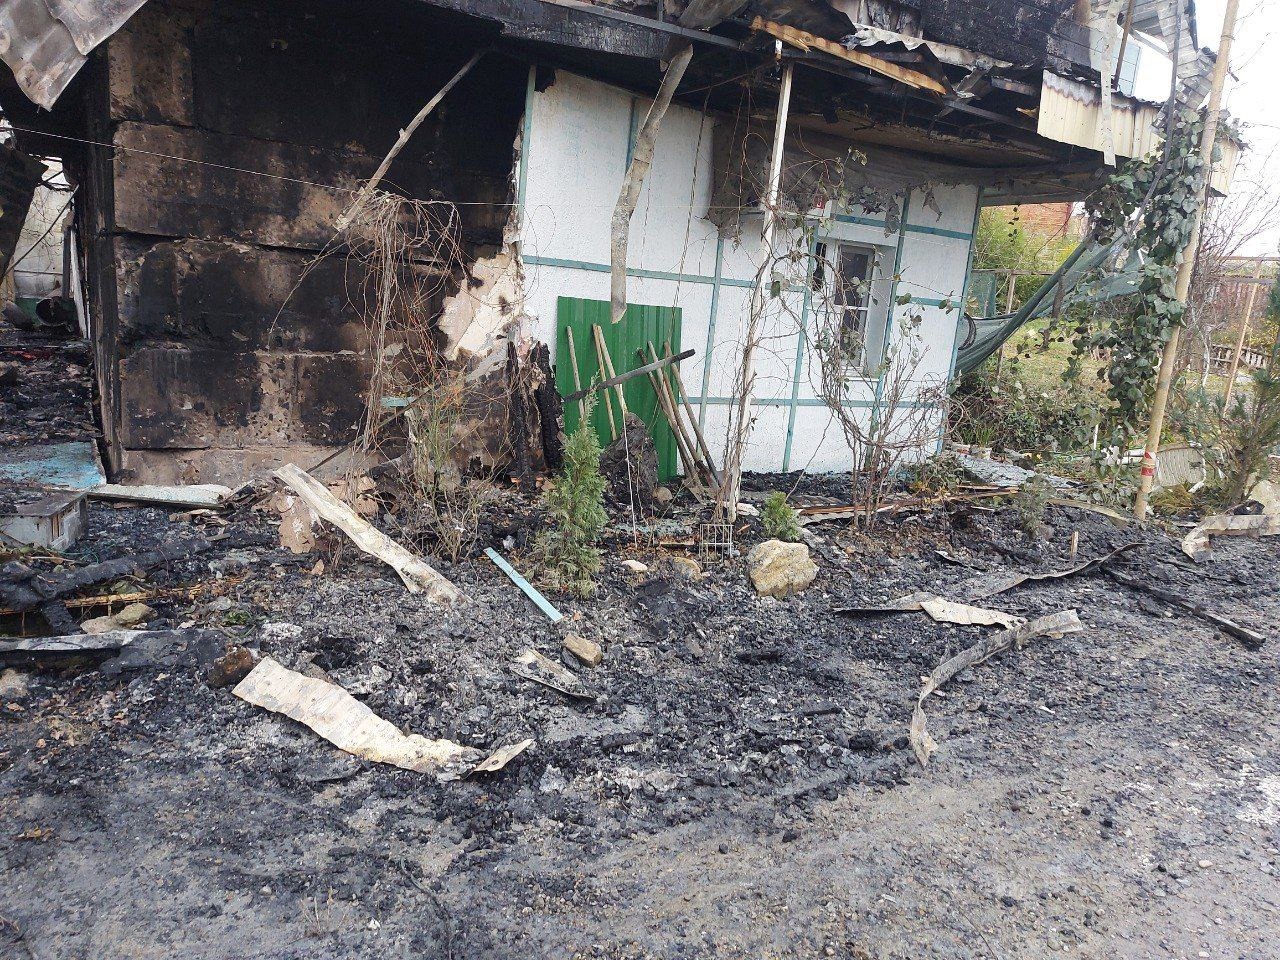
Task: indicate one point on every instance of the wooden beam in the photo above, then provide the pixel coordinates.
(803, 40)
(578, 394)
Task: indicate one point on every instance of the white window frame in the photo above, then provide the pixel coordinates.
(829, 285)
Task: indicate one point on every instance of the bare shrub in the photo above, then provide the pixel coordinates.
(403, 258)
(902, 418)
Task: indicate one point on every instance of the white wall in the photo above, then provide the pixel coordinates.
(573, 164)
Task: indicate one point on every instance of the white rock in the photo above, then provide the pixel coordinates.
(635, 566)
(779, 569)
(13, 685)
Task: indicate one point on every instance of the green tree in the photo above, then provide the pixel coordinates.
(565, 554)
(779, 518)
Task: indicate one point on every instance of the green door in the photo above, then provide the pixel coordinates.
(641, 325)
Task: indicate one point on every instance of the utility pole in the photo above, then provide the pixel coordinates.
(1169, 358)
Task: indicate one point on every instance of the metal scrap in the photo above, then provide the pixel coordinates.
(1054, 624)
(531, 665)
(351, 726)
(948, 611)
(982, 586)
(48, 41)
(1196, 543)
(418, 575)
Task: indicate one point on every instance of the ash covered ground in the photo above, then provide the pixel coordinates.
(742, 786)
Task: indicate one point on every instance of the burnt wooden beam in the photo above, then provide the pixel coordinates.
(1014, 86)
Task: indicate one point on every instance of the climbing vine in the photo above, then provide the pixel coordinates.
(1149, 207)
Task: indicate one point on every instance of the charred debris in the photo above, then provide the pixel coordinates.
(307, 322)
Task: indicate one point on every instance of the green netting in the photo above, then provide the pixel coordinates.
(981, 336)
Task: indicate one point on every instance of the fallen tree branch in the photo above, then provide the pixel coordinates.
(641, 160)
(1250, 638)
(23, 589)
(367, 190)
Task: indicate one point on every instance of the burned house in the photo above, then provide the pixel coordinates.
(214, 147)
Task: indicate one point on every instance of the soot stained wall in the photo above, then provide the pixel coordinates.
(193, 261)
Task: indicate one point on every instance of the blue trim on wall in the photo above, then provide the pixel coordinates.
(805, 402)
(631, 134)
(635, 272)
(861, 221)
(964, 298)
(939, 232)
(911, 227)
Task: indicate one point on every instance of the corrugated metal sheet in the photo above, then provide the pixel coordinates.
(1069, 113)
(45, 42)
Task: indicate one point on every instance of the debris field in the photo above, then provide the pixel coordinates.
(734, 778)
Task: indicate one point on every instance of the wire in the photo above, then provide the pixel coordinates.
(17, 263)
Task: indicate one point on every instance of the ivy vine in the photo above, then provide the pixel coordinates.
(1149, 206)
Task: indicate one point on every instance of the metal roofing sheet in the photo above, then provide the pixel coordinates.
(45, 42)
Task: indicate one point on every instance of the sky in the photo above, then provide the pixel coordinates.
(1253, 93)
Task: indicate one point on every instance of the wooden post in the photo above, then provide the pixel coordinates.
(1170, 357)
(672, 410)
(610, 372)
(1249, 299)
(693, 420)
(747, 374)
(608, 400)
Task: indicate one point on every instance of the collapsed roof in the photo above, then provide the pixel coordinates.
(1008, 87)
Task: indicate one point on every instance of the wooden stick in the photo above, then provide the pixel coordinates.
(613, 374)
(608, 400)
(804, 40)
(624, 377)
(573, 362)
(690, 464)
(682, 444)
(693, 420)
(367, 190)
(677, 423)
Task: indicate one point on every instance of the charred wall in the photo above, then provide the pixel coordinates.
(216, 354)
(1020, 31)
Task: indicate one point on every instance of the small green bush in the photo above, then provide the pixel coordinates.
(1031, 501)
(779, 518)
(1237, 439)
(935, 477)
(565, 554)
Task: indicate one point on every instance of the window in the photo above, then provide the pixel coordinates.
(848, 292)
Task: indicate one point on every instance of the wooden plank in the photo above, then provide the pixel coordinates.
(418, 575)
(803, 40)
